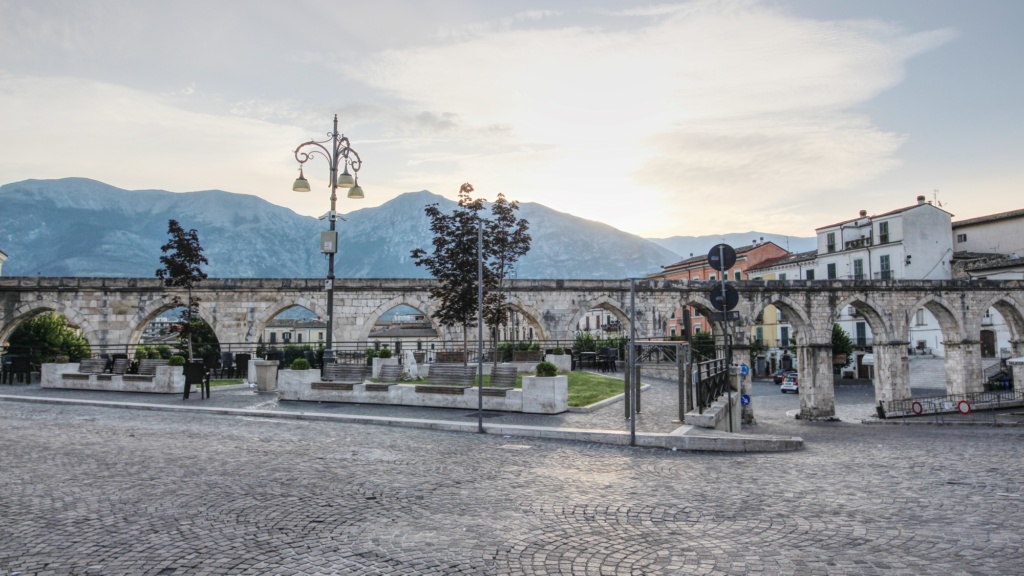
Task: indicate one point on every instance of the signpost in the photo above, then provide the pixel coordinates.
(722, 257)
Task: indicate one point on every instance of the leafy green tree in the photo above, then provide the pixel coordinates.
(182, 268)
(47, 336)
(703, 347)
(454, 261)
(841, 343)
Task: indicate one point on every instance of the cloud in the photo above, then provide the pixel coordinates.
(705, 98)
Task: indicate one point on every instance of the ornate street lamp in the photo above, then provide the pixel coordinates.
(340, 158)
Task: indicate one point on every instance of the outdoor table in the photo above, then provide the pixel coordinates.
(588, 358)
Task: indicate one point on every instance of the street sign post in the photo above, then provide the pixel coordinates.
(721, 257)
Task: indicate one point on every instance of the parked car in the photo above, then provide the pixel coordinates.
(780, 375)
(790, 384)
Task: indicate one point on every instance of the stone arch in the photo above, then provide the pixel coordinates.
(532, 315)
(150, 310)
(881, 326)
(421, 304)
(29, 310)
(604, 302)
(944, 313)
(799, 316)
(269, 310)
(1012, 312)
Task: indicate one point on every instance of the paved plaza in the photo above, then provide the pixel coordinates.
(103, 490)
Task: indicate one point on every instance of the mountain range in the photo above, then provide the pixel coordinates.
(81, 227)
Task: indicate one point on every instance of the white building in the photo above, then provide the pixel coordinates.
(3, 258)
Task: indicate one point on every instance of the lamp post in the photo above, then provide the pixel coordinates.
(340, 157)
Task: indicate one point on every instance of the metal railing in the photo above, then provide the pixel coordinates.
(972, 407)
(712, 381)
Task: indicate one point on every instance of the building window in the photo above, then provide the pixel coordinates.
(832, 271)
(737, 275)
(273, 337)
(858, 269)
(784, 336)
(780, 315)
(810, 274)
(862, 334)
(830, 241)
(883, 265)
(961, 237)
(320, 336)
(759, 331)
(299, 336)
(782, 276)
(919, 317)
(711, 277)
(286, 336)
(672, 333)
(883, 232)
(696, 313)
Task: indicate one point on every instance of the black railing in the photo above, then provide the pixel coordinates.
(712, 382)
(972, 407)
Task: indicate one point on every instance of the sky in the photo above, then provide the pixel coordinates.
(658, 118)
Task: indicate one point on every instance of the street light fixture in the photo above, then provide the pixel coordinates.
(340, 158)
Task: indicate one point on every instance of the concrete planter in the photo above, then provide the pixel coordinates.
(545, 394)
(264, 374)
(167, 380)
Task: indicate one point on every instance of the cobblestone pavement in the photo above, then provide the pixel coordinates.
(87, 490)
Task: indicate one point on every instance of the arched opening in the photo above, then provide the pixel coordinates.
(403, 327)
(165, 335)
(291, 333)
(43, 336)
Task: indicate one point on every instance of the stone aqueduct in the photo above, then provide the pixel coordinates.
(114, 312)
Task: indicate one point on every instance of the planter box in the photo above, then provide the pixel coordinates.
(545, 394)
(562, 361)
(378, 362)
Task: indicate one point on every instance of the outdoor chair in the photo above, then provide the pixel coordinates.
(197, 374)
(21, 369)
(242, 366)
(311, 358)
(227, 365)
(211, 362)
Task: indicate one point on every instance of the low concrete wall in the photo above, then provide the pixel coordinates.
(297, 385)
(168, 380)
(717, 415)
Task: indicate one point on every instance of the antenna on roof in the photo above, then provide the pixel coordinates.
(935, 195)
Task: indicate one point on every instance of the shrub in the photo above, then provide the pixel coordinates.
(370, 355)
(176, 360)
(558, 351)
(384, 353)
(584, 342)
(300, 364)
(61, 358)
(546, 369)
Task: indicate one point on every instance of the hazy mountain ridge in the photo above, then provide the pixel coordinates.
(81, 227)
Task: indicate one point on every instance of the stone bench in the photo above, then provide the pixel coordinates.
(342, 376)
(503, 379)
(147, 370)
(390, 374)
(448, 379)
(87, 368)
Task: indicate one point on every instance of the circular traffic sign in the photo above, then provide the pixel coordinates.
(917, 408)
(964, 407)
(732, 297)
(745, 400)
(721, 257)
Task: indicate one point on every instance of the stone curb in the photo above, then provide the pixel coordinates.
(684, 438)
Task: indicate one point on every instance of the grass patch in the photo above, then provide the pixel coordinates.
(585, 388)
(226, 382)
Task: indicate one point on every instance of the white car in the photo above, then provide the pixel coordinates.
(790, 384)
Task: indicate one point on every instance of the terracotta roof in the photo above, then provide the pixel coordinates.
(787, 259)
(989, 218)
(882, 215)
(403, 332)
(704, 257)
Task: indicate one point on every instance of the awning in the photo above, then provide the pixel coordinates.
(868, 359)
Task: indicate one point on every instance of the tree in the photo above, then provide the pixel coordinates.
(453, 262)
(182, 260)
(47, 336)
(703, 346)
(842, 346)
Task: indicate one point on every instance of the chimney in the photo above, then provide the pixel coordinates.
(920, 200)
(863, 213)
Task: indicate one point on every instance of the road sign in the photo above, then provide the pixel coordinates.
(744, 369)
(732, 297)
(721, 257)
(745, 400)
(733, 316)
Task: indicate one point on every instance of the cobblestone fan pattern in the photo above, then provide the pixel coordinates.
(87, 490)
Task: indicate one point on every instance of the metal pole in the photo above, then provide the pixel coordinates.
(333, 219)
(480, 324)
(632, 361)
(727, 352)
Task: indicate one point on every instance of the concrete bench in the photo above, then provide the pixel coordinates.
(448, 379)
(342, 376)
(390, 374)
(503, 379)
(147, 370)
(87, 368)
